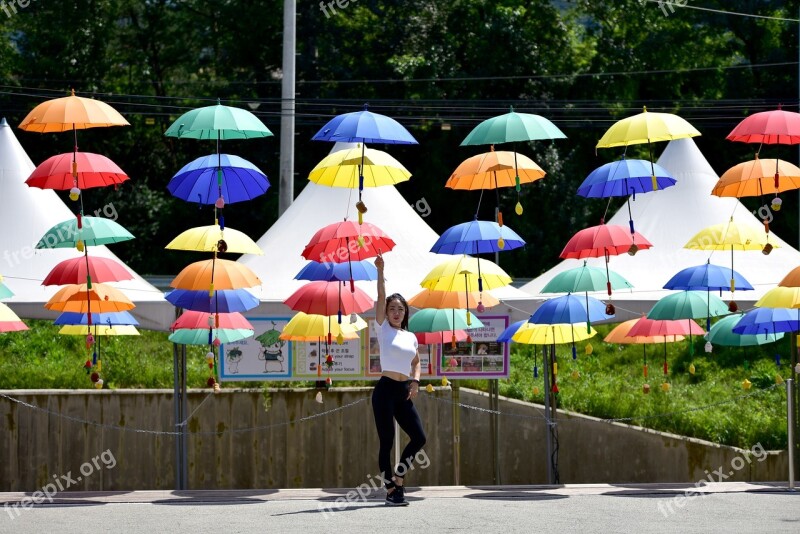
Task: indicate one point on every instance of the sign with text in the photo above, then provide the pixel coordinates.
(483, 358)
(262, 357)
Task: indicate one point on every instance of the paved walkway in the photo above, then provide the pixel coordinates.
(720, 507)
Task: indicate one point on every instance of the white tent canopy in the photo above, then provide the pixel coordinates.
(317, 206)
(26, 215)
(669, 219)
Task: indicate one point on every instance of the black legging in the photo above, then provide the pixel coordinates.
(389, 402)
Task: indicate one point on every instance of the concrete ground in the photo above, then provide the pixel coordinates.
(718, 507)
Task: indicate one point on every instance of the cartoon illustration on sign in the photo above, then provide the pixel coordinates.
(271, 350)
(234, 356)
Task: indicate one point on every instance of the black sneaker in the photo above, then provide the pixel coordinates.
(396, 498)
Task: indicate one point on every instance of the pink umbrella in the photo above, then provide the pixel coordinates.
(327, 298)
(194, 320)
(347, 241)
(775, 127)
(656, 327)
(75, 270)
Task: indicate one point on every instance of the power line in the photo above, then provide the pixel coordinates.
(672, 4)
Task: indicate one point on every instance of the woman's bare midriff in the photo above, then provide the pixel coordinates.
(394, 375)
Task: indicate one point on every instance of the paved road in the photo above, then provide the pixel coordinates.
(723, 507)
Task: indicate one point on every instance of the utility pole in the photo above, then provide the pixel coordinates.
(286, 189)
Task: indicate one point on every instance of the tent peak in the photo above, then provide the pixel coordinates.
(3, 123)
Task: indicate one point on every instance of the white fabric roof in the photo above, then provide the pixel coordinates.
(26, 215)
(317, 206)
(669, 219)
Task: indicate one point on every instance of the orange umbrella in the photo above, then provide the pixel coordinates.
(100, 298)
(792, 279)
(757, 177)
(620, 335)
(215, 274)
(71, 113)
(492, 170)
(451, 299)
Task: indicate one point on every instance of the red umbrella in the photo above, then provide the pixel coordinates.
(200, 320)
(347, 241)
(437, 338)
(327, 298)
(604, 240)
(73, 271)
(656, 327)
(776, 127)
(93, 170)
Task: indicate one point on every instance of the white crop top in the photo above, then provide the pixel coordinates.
(398, 348)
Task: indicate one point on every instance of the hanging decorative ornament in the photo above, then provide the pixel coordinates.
(329, 361)
(445, 382)
(778, 379)
(692, 369)
(79, 245)
(518, 209)
(776, 204)
(588, 349)
(766, 250)
(536, 390)
(665, 387)
(220, 203)
(429, 388)
(501, 243)
(746, 384)
(733, 307)
(217, 389)
(222, 246)
(340, 339)
(74, 193)
(210, 321)
(328, 382)
(633, 250)
(575, 374)
(610, 309)
(645, 388)
(797, 368)
(708, 347)
(778, 360)
(217, 342)
(89, 340)
(95, 377)
(318, 397)
(98, 384)
(210, 382)
(481, 308)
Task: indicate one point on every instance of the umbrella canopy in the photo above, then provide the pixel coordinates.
(354, 270)
(621, 335)
(199, 181)
(201, 336)
(451, 299)
(102, 330)
(194, 320)
(218, 123)
(780, 297)
(792, 279)
(570, 309)
(107, 319)
(93, 231)
(207, 239)
(341, 242)
(93, 170)
(548, 334)
(440, 338)
(217, 274)
(223, 301)
(76, 271)
(768, 127)
(364, 127)
(623, 178)
(100, 298)
(722, 334)
(5, 293)
(465, 274)
(732, 235)
(758, 177)
(329, 298)
(657, 327)
(512, 127)
(708, 277)
(9, 322)
(341, 169)
(646, 127)
(583, 279)
(477, 237)
(688, 305)
(761, 321)
(510, 330)
(603, 240)
(492, 170)
(437, 320)
(305, 326)
(71, 113)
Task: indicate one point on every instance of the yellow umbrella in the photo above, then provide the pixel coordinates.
(465, 274)
(101, 298)
(9, 321)
(548, 334)
(98, 330)
(780, 297)
(451, 299)
(647, 127)
(207, 239)
(71, 113)
(340, 169)
(306, 326)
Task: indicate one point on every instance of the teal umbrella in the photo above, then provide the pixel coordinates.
(511, 128)
(688, 305)
(584, 279)
(721, 334)
(438, 320)
(5, 293)
(218, 123)
(199, 336)
(92, 231)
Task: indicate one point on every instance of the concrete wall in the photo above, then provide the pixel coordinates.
(338, 449)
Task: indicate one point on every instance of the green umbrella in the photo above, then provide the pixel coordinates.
(440, 320)
(688, 305)
(218, 123)
(199, 336)
(5, 293)
(584, 279)
(512, 127)
(721, 334)
(94, 231)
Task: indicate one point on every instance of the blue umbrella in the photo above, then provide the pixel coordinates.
(722, 334)
(477, 237)
(110, 318)
(223, 301)
(709, 277)
(505, 337)
(623, 178)
(199, 181)
(354, 270)
(768, 321)
(569, 309)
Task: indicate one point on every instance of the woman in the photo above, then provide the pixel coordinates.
(397, 387)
